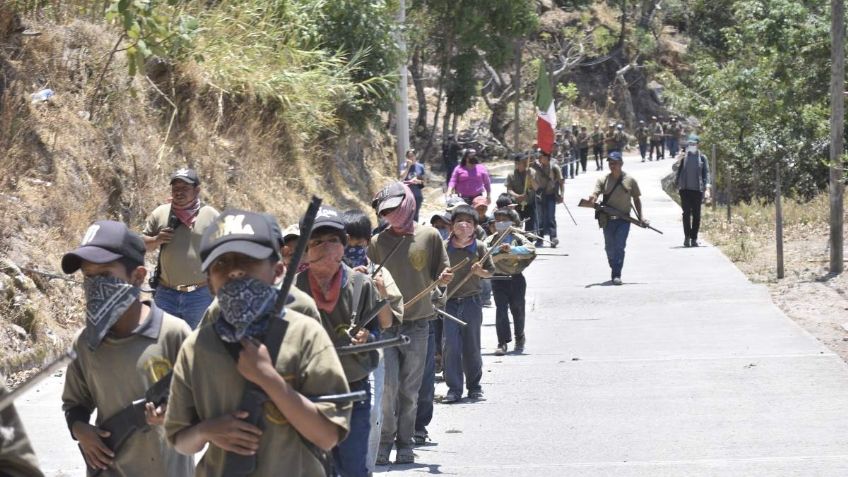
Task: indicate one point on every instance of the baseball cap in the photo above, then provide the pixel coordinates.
(615, 156)
(453, 202)
(105, 241)
(694, 138)
(292, 231)
(443, 215)
(240, 231)
(389, 197)
(276, 230)
(186, 175)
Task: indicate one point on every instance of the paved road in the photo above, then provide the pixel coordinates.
(687, 369)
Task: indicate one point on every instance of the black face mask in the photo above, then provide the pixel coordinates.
(473, 160)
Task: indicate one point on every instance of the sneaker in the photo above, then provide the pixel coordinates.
(616, 281)
(420, 437)
(487, 304)
(405, 456)
(539, 244)
(383, 455)
(686, 243)
(476, 395)
(519, 343)
(500, 350)
(554, 242)
(694, 243)
(451, 398)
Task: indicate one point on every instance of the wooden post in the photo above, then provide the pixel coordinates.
(837, 123)
(727, 188)
(713, 173)
(778, 218)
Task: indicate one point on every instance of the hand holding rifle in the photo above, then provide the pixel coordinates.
(612, 211)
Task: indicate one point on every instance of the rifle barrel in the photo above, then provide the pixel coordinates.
(353, 396)
(400, 340)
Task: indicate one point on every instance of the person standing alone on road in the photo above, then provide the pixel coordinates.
(693, 183)
(618, 190)
(176, 229)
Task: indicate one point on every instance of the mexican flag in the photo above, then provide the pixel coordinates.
(545, 112)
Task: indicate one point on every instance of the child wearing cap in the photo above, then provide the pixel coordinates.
(242, 262)
(127, 345)
(345, 296)
(461, 353)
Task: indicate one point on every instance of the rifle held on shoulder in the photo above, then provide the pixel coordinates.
(612, 211)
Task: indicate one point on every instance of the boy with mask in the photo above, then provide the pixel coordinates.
(127, 345)
(510, 259)
(418, 262)
(462, 344)
(343, 296)
(241, 259)
(358, 229)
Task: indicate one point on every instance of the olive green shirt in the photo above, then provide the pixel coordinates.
(549, 178)
(621, 198)
(597, 138)
(339, 321)
(207, 385)
(416, 265)
(17, 458)
(522, 183)
(180, 258)
(118, 372)
(474, 284)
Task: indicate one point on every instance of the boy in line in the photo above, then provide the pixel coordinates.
(127, 345)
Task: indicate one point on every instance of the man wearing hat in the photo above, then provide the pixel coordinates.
(343, 296)
(176, 229)
(642, 134)
(598, 147)
(551, 188)
(673, 142)
(282, 356)
(656, 139)
(619, 190)
(693, 184)
(127, 345)
(420, 260)
(521, 186)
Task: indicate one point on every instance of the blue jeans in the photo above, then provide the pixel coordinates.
(462, 345)
(643, 149)
(404, 370)
(486, 294)
(186, 305)
(350, 455)
(673, 146)
(428, 384)
(547, 216)
(615, 239)
(377, 378)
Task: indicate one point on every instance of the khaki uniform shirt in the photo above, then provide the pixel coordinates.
(549, 178)
(415, 266)
(302, 303)
(621, 198)
(656, 132)
(522, 183)
(180, 259)
(207, 385)
(118, 372)
(338, 322)
(17, 458)
(474, 285)
(583, 140)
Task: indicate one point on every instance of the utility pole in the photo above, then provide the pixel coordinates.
(837, 123)
(516, 123)
(778, 219)
(401, 106)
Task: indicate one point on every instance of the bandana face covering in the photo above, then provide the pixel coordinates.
(501, 226)
(355, 256)
(106, 299)
(401, 219)
(246, 306)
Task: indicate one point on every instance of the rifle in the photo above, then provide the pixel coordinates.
(529, 235)
(432, 286)
(367, 317)
(400, 340)
(615, 212)
(391, 252)
(354, 396)
(451, 317)
(569, 212)
(494, 246)
(51, 368)
(127, 421)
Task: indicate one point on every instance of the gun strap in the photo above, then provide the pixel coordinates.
(607, 196)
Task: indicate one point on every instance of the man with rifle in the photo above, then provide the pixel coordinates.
(618, 190)
(345, 299)
(124, 358)
(241, 382)
(418, 262)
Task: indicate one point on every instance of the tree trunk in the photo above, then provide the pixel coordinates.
(420, 94)
(499, 121)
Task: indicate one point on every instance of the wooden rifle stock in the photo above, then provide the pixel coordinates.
(612, 211)
(432, 286)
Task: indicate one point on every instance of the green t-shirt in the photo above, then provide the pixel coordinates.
(118, 372)
(180, 259)
(415, 266)
(522, 183)
(207, 385)
(474, 284)
(549, 178)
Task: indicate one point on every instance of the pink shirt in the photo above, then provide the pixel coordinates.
(470, 183)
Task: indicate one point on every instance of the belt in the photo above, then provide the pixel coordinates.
(187, 288)
(463, 298)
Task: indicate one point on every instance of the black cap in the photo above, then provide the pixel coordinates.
(240, 231)
(105, 241)
(276, 230)
(186, 175)
(389, 198)
(446, 216)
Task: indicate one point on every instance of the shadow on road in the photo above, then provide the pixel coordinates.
(609, 283)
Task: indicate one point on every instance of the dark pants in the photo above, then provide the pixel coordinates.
(584, 157)
(419, 199)
(615, 240)
(548, 225)
(598, 151)
(655, 145)
(673, 146)
(350, 455)
(428, 384)
(690, 200)
(449, 167)
(462, 345)
(509, 297)
(530, 212)
(643, 149)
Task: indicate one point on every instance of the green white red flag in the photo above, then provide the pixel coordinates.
(545, 112)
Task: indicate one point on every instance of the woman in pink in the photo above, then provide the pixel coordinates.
(470, 178)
